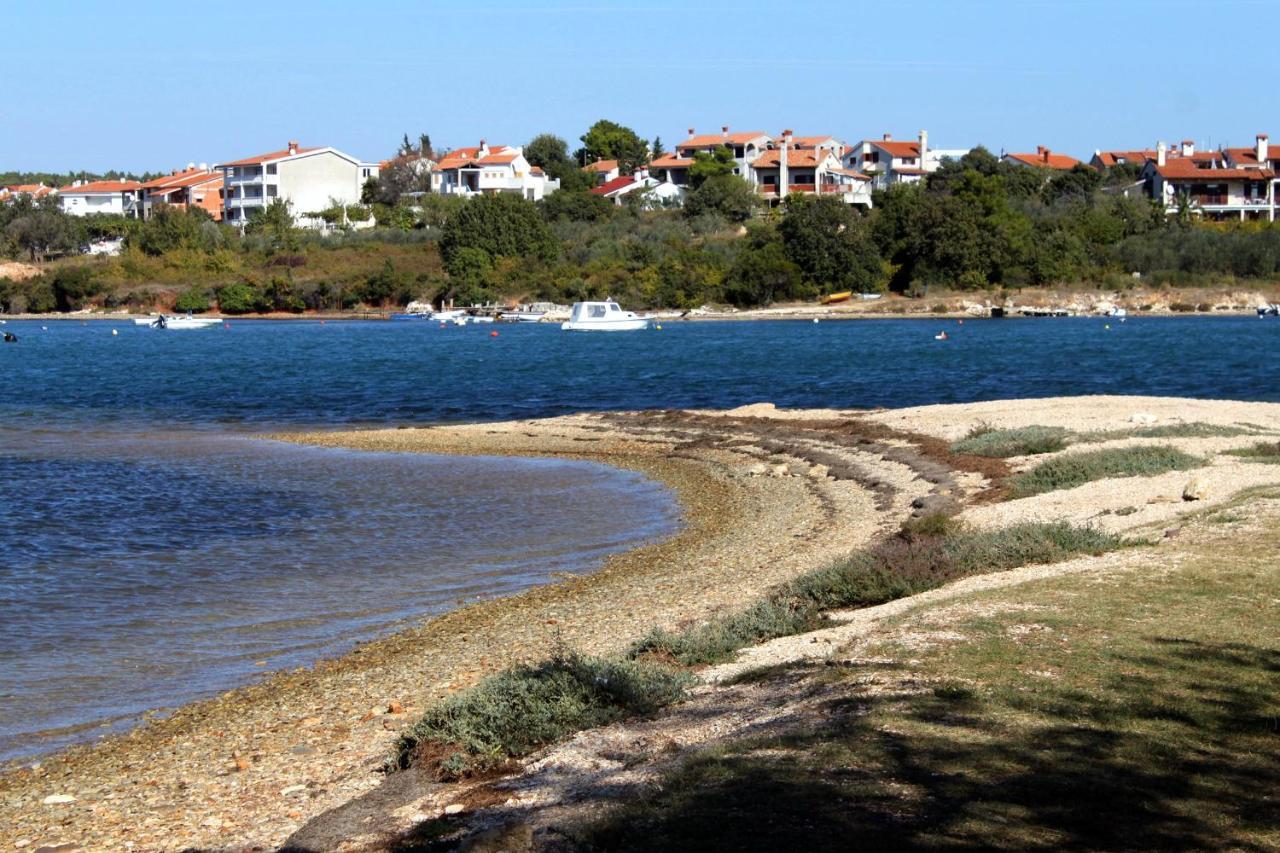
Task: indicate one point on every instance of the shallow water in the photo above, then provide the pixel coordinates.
(151, 551)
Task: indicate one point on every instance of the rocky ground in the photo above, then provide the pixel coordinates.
(767, 494)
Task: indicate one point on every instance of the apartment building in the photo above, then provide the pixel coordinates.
(309, 179)
(808, 165)
(487, 170)
(1222, 185)
(889, 161)
(194, 186)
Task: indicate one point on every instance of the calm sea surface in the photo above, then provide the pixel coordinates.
(153, 551)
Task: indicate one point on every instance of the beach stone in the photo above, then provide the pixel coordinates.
(819, 472)
(58, 799)
(1142, 418)
(292, 789)
(512, 838)
(1196, 489)
(780, 470)
(453, 808)
(758, 470)
(395, 707)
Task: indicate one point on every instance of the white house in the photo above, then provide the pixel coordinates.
(603, 171)
(889, 161)
(1232, 184)
(745, 146)
(309, 179)
(115, 197)
(653, 193)
(485, 170)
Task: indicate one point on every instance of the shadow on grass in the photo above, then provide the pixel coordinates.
(1181, 752)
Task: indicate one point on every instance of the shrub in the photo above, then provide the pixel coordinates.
(1076, 469)
(193, 299)
(1023, 441)
(1263, 451)
(239, 298)
(521, 709)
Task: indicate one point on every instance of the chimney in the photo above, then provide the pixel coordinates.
(293, 147)
(724, 130)
(1188, 147)
(1262, 151)
(924, 147)
(484, 149)
(782, 164)
(691, 131)
(1162, 154)
(1043, 152)
(888, 137)
(204, 167)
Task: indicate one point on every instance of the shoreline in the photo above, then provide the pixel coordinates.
(766, 494)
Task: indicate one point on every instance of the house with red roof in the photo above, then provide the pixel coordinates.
(35, 192)
(603, 171)
(119, 198)
(652, 192)
(808, 165)
(1043, 159)
(194, 186)
(308, 179)
(745, 146)
(890, 161)
(1221, 185)
(486, 170)
(1109, 159)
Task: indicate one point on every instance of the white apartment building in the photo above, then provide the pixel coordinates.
(1236, 183)
(486, 170)
(309, 179)
(808, 165)
(120, 198)
(746, 146)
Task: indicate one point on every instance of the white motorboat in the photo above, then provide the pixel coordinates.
(603, 317)
(450, 317)
(519, 316)
(163, 321)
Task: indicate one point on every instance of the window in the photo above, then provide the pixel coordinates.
(271, 190)
(271, 170)
(595, 312)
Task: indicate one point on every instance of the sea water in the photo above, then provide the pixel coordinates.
(154, 550)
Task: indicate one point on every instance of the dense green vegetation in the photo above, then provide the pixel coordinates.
(1076, 469)
(975, 225)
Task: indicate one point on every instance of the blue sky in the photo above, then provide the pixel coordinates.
(151, 86)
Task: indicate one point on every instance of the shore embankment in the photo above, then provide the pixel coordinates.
(767, 495)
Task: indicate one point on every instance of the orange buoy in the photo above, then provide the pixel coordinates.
(493, 334)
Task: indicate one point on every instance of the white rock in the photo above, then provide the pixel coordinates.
(58, 799)
(1196, 489)
(453, 808)
(292, 789)
(1142, 418)
(780, 470)
(819, 472)
(758, 470)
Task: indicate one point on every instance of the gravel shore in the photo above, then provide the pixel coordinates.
(767, 495)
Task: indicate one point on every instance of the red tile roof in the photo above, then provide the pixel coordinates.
(499, 159)
(185, 178)
(1249, 156)
(618, 183)
(1112, 158)
(602, 166)
(901, 150)
(460, 158)
(711, 140)
(671, 161)
(1183, 169)
(796, 158)
(102, 187)
(267, 158)
(850, 173)
(1046, 160)
(812, 141)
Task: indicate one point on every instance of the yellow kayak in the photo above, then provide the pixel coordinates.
(837, 297)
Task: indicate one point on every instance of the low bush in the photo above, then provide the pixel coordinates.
(1187, 429)
(1076, 469)
(521, 709)
(1023, 441)
(901, 566)
(1263, 451)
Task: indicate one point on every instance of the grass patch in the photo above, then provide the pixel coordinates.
(1263, 451)
(899, 567)
(1135, 712)
(1076, 469)
(521, 709)
(1189, 429)
(1003, 443)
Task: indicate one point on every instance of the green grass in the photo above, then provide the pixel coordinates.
(521, 709)
(1135, 711)
(1023, 441)
(896, 568)
(1262, 451)
(1190, 429)
(1076, 469)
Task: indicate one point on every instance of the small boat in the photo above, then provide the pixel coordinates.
(480, 318)
(1117, 312)
(188, 322)
(415, 315)
(843, 296)
(518, 316)
(1269, 310)
(604, 316)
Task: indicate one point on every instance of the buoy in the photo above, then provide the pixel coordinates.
(493, 334)
(1107, 326)
(44, 328)
(226, 325)
(658, 326)
(114, 333)
(961, 322)
(442, 325)
(815, 319)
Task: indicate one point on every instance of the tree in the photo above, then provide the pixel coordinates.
(762, 275)
(501, 225)
(725, 195)
(239, 298)
(831, 245)
(40, 231)
(73, 287)
(424, 146)
(405, 147)
(606, 140)
(713, 165)
(169, 228)
(551, 153)
(193, 299)
(275, 223)
(576, 206)
(656, 150)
